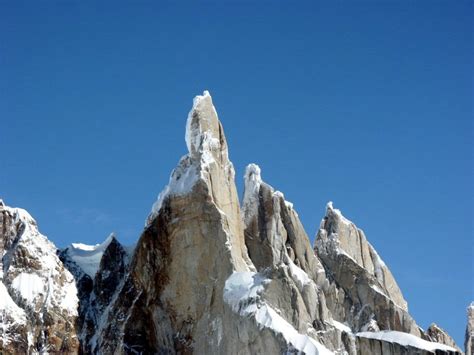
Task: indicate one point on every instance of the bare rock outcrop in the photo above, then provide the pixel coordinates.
(438, 335)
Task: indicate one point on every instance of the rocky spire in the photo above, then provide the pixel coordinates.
(469, 340)
(192, 243)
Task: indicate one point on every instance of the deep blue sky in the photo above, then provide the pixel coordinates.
(368, 104)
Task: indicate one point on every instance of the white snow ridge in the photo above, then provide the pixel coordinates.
(242, 292)
(87, 257)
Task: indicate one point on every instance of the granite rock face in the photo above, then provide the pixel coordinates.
(209, 277)
(38, 295)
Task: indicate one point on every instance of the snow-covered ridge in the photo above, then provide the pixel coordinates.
(242, 292)
(87, 257)
(405, 339)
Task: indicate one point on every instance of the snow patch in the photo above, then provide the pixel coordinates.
(298, 274)
(405, 339)
(29, 286)
(10, 308)
(341, 326)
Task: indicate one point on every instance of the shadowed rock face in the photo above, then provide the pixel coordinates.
(95, 293)
(209, 278)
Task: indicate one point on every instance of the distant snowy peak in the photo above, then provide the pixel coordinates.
(88, 257)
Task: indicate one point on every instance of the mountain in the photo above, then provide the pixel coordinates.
(209, 276)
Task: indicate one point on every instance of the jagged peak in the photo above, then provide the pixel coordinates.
(206, 144)
(2, 204)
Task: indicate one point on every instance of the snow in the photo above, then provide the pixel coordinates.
(242, 292)
(9, 307)
(241, 288)
(405, 339)
(29, 286)
(379, 290)
(87, 257)
(298, 274)
(371, 325)
(341, 326)
(69, 298)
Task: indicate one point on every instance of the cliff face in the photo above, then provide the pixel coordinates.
(207, 276)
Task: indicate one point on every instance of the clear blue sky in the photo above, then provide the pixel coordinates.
(368, 104)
